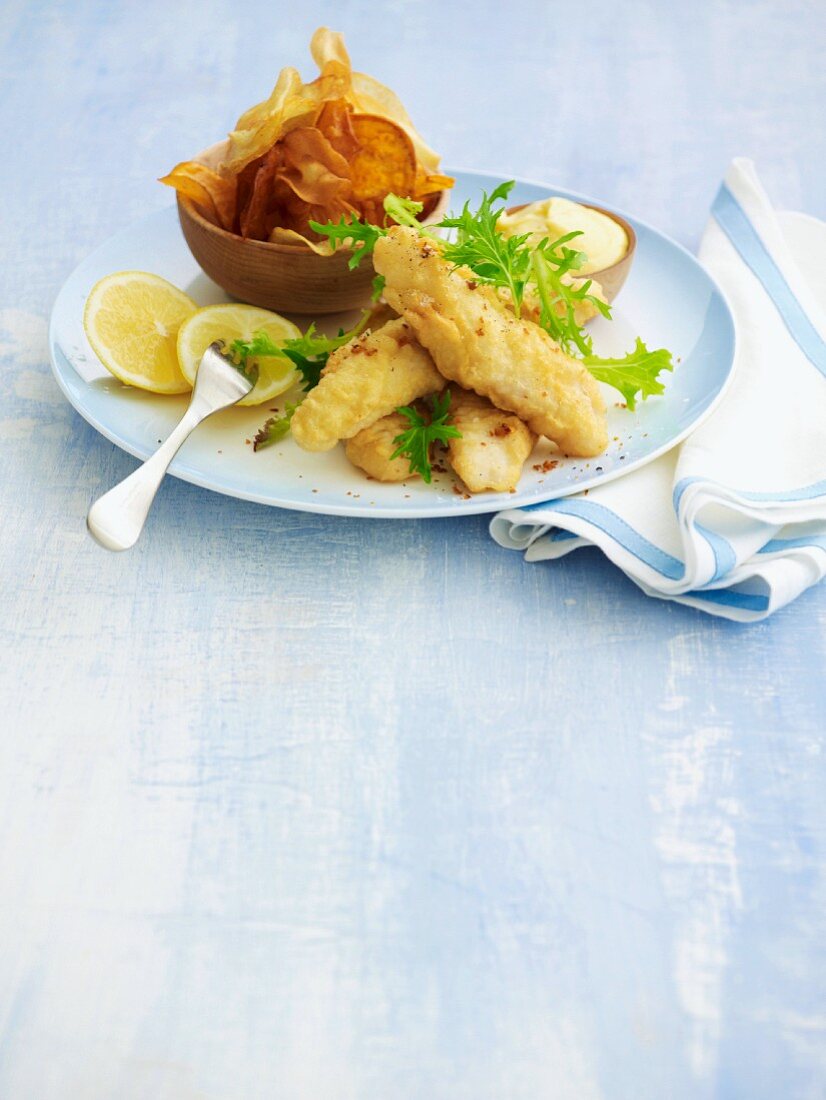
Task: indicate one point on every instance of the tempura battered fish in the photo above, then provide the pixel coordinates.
(476, 341)
(363, 381)
(371, 449)
(494, 444)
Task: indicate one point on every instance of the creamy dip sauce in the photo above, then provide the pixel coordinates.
(603, 240)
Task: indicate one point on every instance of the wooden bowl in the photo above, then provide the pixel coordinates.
(284, 277)
(612, 278)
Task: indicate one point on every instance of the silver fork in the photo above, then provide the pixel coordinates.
(116, 519)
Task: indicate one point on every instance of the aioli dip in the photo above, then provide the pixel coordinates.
(603, 240)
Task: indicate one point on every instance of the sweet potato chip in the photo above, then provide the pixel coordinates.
(431, 184)
(371, 98)
(385, 161)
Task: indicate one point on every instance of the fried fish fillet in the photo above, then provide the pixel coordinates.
(493, 446)
(363, 381)
(372, 449)
(476, 341)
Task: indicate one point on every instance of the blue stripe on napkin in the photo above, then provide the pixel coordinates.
(779, 546)
(730, 597)
(724, 557)
(621, 532)
(807, 492)
(734, 222)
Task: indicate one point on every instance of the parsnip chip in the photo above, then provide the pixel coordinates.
(214, 194)
(252, 217)
(312, 167)
(293, 213)
(335, 122)
(280, 235)
(194, 190)
(291, 103)
(330, 54)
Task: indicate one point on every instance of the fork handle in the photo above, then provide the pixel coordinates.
(116, 519)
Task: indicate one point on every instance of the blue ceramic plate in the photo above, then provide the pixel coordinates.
(668, 299)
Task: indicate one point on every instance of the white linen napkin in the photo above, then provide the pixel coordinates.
(734, 520)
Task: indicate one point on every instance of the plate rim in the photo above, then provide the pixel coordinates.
(480, 505)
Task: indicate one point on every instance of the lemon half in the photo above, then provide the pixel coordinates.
(232, 321)
(132, 319)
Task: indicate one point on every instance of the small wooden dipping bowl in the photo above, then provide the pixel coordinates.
(287, 278)
(612, 278)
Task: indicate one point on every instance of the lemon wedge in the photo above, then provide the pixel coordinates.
(232, 321)
(132, 319)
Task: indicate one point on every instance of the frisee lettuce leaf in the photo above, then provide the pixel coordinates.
(493, 258)
(261, 345)
(549, 264)
(415, 443)
(635, 373)
(311, 351)
(274, 429)
(360, 236)
(378, 287)
(403, 211)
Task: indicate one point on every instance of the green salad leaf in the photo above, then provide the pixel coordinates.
(478, 244)
(636, 373)
(351, 233)
(274, 429)
(415, 443)
(311, 351)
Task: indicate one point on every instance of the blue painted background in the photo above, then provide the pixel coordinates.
(303, 807)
